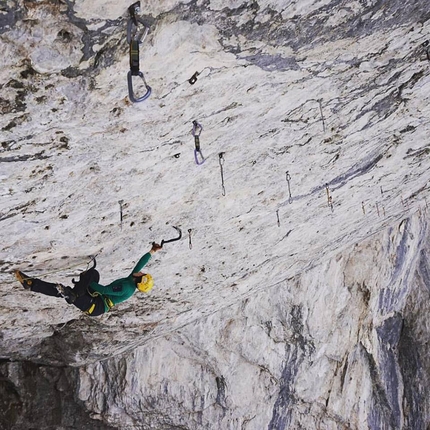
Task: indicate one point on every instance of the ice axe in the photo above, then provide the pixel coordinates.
(174, 239)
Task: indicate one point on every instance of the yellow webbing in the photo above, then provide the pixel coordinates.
(109, 302)
(91, 309)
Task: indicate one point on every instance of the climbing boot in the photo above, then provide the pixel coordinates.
(67, 293)
(23, 279)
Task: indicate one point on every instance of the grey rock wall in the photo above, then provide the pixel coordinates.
(299, 355)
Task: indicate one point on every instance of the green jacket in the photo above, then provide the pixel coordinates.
(121, 289)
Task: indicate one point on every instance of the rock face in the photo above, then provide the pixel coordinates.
(299, 295)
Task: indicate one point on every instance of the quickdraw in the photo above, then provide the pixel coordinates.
(322, 115)
(197, 129)
(288, 177)
(120, 211)
(221, 166)
(190, 244)
(134, 42)
(329, 197)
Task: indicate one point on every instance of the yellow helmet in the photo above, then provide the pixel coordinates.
(146, 284)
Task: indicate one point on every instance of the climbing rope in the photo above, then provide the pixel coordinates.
(198, 156)
(134, 42)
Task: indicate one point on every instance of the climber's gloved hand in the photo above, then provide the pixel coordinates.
(155, 247)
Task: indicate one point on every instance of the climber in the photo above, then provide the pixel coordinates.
(88, 295)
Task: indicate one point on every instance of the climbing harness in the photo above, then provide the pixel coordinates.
(197, 129)
(290, 198)
(221, 165)
(134, 42)
(193, 78)
(174, 239)
(94, 294)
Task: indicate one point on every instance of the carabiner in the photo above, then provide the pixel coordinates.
(131, 94)
(135, 21)
(196, 157)
(197, 129)
(135, 7)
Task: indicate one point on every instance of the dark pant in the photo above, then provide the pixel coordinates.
(84, 301)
